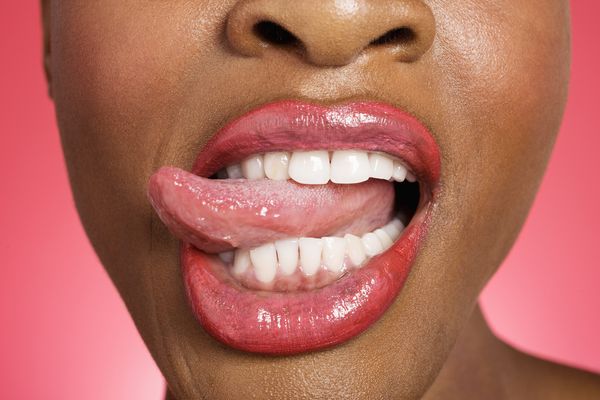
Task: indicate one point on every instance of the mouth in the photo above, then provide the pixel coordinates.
(299, 223)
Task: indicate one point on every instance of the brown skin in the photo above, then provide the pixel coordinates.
(141, 84)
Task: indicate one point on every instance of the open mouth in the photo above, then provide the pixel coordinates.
(299, 222)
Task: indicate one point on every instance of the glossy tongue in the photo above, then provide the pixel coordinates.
(218, 215)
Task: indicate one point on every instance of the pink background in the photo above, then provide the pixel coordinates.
(64, 333)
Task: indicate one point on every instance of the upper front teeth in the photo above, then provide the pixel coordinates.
(333, 253)
(277, 166)
(320, 166)
(382, 167)
(350, 166)
(310, 167)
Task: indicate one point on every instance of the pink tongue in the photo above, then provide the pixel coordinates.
(218, 215)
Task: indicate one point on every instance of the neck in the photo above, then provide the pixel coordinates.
(480, 366)
(169, 396)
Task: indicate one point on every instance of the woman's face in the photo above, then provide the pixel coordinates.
(143, 84)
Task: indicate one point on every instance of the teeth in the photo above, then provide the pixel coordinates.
(333, 254)
(334, 249)
(394, 229)
(382, 167)
(276, 166)
(241, 262)
(315, 168)
(287, 253)
(310, 167)
(264, 259)
(355, 249)
(227, 257)
(252, 168)
(384, 238)
(400, 172)
(398, 224)
(310, 255)
(350, 166)
(372, 244)
(235, 171)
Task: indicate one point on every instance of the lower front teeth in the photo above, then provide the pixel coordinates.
(264, 260)
(311, 250)
(287, 254)
(308, 256)
(355, 249)
(334, 249)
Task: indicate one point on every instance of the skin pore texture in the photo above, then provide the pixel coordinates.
(143, 84)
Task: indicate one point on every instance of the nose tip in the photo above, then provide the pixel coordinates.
(332, 32)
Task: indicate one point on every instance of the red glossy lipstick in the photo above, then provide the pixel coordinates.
(283, 323)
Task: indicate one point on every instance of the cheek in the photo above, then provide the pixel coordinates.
(128, 75)
(114, 74)
(113, 81)
(504, 70)
(121, 69)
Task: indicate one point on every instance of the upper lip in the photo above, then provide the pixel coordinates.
(294, 125)
(290, 323)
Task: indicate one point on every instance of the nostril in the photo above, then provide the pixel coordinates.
(320, 35)
(275, 34)
(398, 36)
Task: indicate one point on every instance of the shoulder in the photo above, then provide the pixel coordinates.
(541, 379)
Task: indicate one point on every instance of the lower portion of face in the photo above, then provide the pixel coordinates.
(139, 85)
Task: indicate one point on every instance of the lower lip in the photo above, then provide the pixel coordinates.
(278, 323)
(291, 323)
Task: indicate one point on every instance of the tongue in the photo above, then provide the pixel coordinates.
(219, 215)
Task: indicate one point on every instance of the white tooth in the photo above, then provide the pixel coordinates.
(241, 261)
(276, 166)
(398, 224)
(264, 259)
(310, 167)
(384, 238)
(350, 166)
(372, 244)
(393, 230)
(411, 177)
(222, 174)
(235, 171)
(252, 167)
(226, 256)
(399, 172)
(334, 249)
(355, 249)
(287, 253)
(310, 255)
(382, 167)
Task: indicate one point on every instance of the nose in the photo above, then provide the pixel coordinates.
(332, 32)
